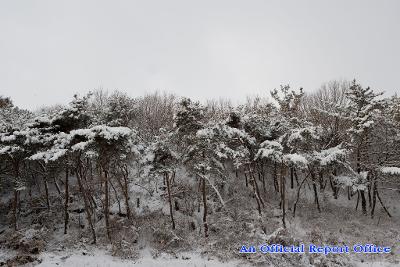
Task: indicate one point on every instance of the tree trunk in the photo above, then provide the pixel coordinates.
(374, 191)
(291, 178)
(315, 190)
(198, 194)
(205, 208)
(257, 197)
(173, 178)
(361, 192)
(363, 202)
(46, 189)
(316, 196)
(358, 198)
(369, 191)
(298, 195)
(125, 190)
(66, 214)
(256, 186)
(16, 196)
(334, 186)
(107, 204)
(126, 195)
(296, 176)
(86, 201)
(36, 183)
(275, 175)
(383, 206)
(321, 181)
(171, 212)
(116, 196)
(15, 205)
(263, 182)
(255, 190)
(57, 186)
(283, 197)
(348, 193)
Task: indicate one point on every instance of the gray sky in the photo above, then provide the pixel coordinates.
(50, 50)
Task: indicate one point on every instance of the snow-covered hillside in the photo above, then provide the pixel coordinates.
(111, 180)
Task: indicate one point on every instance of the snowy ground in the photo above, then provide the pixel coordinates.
(100, 258)
(374, 264)
(338, 223)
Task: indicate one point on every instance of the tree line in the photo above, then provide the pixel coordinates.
(343, 138)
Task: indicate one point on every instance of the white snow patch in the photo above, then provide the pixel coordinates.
(295, 159)
(101, 258)
(391, 170)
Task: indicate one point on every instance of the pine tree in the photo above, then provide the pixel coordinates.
(163, 160)
(363, 104)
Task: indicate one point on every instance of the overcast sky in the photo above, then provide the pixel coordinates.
(50, 50)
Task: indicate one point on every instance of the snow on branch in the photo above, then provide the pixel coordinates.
(331, 155)
(270, 150)
(390, 170)
(295, 159)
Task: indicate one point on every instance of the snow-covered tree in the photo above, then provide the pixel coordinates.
(364, 103)
(163, 160)
(13, 152)
(106, 145)
(212, 147)
(288, 100)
